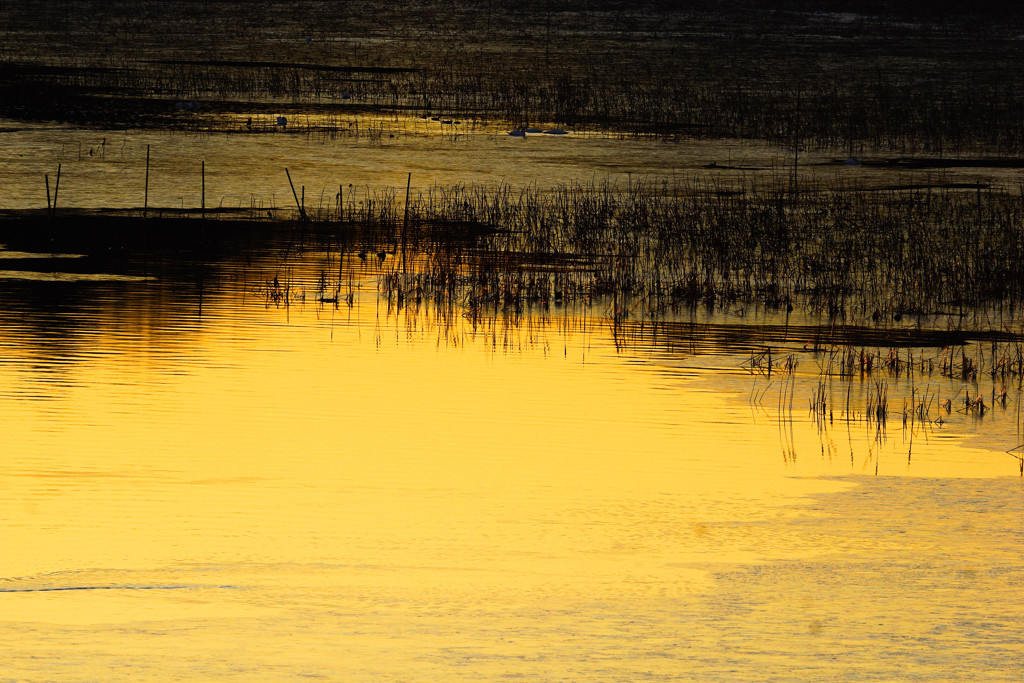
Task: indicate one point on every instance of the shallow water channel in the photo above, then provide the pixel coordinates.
(204, 479)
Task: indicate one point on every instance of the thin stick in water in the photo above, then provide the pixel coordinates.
(56, 189)
(302, 214)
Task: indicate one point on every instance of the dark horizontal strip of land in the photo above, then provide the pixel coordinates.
(98, 232)
(913, 163)
(283, 65)
(927, 186)
(746, 337)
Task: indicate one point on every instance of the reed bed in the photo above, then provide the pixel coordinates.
(651, 250)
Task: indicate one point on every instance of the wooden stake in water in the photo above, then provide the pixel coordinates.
(145, 199)
(49, 209)
(405, 221)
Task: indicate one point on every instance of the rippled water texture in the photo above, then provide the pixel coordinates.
(200, 483)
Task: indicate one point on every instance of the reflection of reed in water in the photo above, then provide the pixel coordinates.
(641, 259)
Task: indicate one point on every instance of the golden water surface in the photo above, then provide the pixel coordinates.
(244, 491)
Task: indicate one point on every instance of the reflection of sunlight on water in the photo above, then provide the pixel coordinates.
(70, 277)
(244, 169)
(247, 169)
(418, 491)
(7, 254)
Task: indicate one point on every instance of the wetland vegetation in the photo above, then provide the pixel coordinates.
(930, 245)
